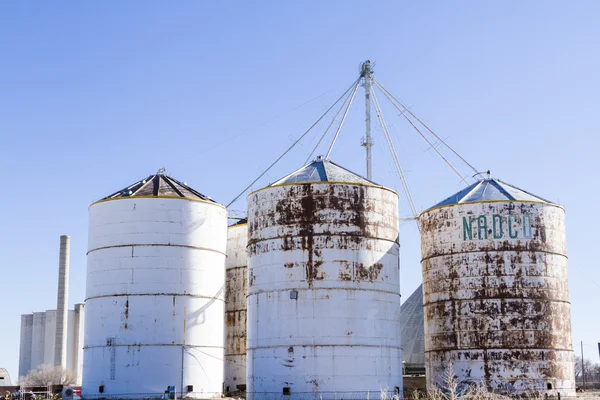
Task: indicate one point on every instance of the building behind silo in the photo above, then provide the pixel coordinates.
(496, 297)
(4, 377)
(45, 333)
(38, 338)
(155, 292)
(413, 334)
(323, 289)
(236, 283)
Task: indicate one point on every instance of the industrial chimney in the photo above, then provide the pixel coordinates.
(60, 345)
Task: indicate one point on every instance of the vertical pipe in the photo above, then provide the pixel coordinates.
(60, 344)
(582, 366)
(366, 73)
(183, 348)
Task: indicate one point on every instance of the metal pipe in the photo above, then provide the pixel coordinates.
(60, 344)
(366, 73)
(582, 366)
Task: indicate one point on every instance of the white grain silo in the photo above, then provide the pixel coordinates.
(154, 295)
(323, 289)
(236, 283)
(496, 298)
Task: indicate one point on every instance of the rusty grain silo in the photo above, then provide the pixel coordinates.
(323, 294)
(236, 283)
(496, 297)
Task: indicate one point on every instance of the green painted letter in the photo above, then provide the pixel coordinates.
(512, 234)
(467, 228)
(526, 226)
(497, 226)
(482, 226)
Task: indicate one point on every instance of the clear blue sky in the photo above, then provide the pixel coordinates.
(95, 95)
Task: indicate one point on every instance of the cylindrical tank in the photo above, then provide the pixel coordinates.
(496, 297)
(236, 283)
(323, 289)
(155, 292)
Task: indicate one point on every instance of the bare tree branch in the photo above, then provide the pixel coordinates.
(49, 374)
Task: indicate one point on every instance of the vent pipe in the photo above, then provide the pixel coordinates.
(60, 345)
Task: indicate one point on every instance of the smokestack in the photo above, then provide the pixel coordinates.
(60, 345)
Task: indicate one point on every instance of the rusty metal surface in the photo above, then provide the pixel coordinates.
(154, 297)
(236, 283)
(496, 299)
(323, 295)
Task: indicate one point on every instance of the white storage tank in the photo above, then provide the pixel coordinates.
(496, 296)
(155, 292)
(323, 289)
(236, 283)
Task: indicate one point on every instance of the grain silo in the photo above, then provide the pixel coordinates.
(323, 287)
(154, 295)
(236, 283)
(496, 297)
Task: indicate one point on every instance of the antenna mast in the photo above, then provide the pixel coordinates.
(366, 73)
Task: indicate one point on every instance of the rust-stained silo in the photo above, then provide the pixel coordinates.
(236, 283)
(496, 297)
(323, 294)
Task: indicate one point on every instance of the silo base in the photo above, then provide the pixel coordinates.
(324, 372)
(510, 372)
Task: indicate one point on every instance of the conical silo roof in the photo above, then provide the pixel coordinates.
(158, 185)
(322, 170)
(412, 330)
(490, 190)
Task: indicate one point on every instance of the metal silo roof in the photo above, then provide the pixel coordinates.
(412, 329)
(158, 185)
(322, 170)
(490, 190)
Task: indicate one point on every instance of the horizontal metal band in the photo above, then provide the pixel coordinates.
(155, 245)
(493, 251)
(326, 288)
(531, 299)
(491, 201)
(324, 183)
(324, 345)
(158, 198)
(251, 242)
(236, 310)
(155, 295)
(525, 349)
(155, 345)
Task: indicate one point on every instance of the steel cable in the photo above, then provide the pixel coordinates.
(426, 127)
(421, 133)
(341, 122)
(326, 130)
(395, 157)
(294, 144)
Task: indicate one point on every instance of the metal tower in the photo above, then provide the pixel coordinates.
(366, 73)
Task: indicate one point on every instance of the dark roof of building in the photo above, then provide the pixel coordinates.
(490, 190)
(241, 221)
(158, 185)
(322, 170)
